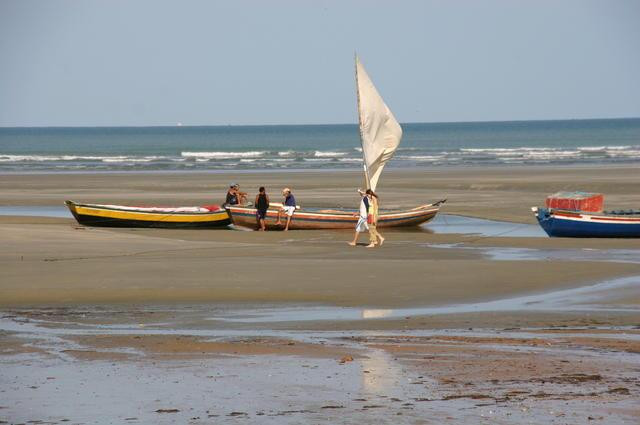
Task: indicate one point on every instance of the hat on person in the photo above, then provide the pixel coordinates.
(234, 185)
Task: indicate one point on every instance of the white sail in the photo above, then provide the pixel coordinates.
(380, 133)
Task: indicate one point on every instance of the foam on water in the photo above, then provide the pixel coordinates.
(223, 155)
(328, 154)
(211, 148)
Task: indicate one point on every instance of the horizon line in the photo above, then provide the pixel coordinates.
(178, 125)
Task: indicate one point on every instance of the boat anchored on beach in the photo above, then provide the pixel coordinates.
(580, 215)
(205, 217)
(318, 218)
(380, 135)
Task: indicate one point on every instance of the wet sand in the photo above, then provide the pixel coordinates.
(60, 366)
(164, 326)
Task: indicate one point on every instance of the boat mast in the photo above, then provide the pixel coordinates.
(364, 158)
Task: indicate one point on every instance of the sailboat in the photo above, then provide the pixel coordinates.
(380, 135)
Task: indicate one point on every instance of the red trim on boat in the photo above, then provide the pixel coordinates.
(567, 214)
(609, 218)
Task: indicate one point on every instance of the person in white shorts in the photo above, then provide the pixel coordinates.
(362, 225)
(288, 207)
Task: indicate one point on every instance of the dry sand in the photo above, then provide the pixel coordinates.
(60, 263)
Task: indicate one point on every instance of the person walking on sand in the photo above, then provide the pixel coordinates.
(375, 238)
(262, 205)
(289, 206)
(362, 217)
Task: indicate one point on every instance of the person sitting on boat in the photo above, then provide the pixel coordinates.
(362, 225)
(262, 204)
(288, 207)
(375, 238)
(234, 196)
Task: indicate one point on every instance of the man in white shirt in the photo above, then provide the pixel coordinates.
(362, 217)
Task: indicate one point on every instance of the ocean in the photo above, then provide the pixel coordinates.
(68, 149)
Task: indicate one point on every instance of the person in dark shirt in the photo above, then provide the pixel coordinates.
(288, 208)
(234, 196)
(262, 205)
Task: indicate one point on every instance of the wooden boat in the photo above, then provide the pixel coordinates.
(380, 135)
(123, 216)
(580, 224)
(333, 219)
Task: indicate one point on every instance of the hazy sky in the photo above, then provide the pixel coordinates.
(291, 62)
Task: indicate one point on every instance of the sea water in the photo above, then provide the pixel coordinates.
(37, 149)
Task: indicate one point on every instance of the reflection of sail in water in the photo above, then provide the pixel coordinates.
(376, 313)
(380, 373)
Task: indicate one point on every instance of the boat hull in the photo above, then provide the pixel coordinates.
(575, 224)
(113, 216)
(332, 219)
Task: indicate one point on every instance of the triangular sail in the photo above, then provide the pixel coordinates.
(380, 133)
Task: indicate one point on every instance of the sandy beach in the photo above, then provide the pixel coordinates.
(137, 265)
(471, 325)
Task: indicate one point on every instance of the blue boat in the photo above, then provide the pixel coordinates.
(578, 224)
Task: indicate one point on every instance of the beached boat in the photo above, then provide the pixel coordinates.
(581, 224)
(380, 135)
(317, 218)
(123, 216)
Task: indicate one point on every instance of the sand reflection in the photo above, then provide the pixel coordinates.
(380, 374)
(376, 313)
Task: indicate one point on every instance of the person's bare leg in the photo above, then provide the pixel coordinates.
(354, 242)
(372, 236)
(278, 222)
(288, 221)
(372, 242)
(380, 239)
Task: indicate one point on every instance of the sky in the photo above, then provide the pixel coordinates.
(153, 62)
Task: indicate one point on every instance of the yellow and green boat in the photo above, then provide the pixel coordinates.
(205, 217)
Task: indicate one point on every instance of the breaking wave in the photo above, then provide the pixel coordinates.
(223, 155)
(329, 154)
(318, 159)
